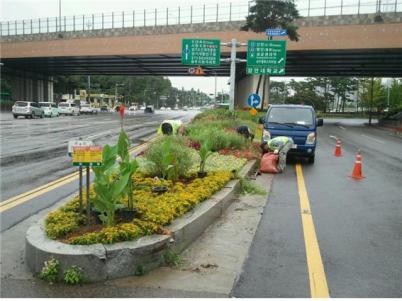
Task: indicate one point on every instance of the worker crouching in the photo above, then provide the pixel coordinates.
(279, 146)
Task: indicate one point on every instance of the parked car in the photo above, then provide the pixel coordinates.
(298, 122)
(28, 109)
(50, 109)
(87, 109)
(149, 109)
(66, 108)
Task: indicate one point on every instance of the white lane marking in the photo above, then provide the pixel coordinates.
(374, 139)
(333, 137)
(341, 127)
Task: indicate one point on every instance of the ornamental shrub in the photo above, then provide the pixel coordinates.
(73, 275)
(169, 158)
(50, 270)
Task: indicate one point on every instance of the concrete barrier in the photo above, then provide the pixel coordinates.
(100, 262)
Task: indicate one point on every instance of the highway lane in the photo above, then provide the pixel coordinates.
(26, 176)
(357, 223)
(34, 151)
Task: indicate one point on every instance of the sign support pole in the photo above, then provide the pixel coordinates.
(80, 187)
(232, 74)
(88, 203)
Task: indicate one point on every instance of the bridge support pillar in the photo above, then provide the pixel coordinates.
(246, 86)
(31, 87)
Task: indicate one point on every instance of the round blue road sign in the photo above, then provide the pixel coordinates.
(254, 100)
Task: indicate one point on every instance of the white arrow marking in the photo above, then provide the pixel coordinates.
(281, 60)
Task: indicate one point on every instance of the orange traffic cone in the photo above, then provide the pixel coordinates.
(338, 149)
(357, 169)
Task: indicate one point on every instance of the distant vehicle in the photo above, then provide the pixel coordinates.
(162, 108)
(168, 109)
(298, 122)
(131, 110)
(104, 109)
(149, 109)
(142, 108)
(185, 108)
(66, 108)
(87, 109)
(27, 109)
(50, 109)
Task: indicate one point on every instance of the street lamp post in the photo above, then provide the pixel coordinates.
(60, 15)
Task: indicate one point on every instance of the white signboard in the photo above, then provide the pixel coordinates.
(73, 143)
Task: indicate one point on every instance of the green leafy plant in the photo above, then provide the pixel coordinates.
(204, 153)
(127, 166)
(73, 275)
(50, 270)
(249, 187)
(172, 258)
(110, 183)
(168, 158)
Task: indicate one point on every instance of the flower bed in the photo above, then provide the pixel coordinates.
(155, 211)
(170, 163)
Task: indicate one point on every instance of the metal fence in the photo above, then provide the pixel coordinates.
(223, 12)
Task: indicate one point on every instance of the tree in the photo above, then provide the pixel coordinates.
(342, 87)
(373, 89)
(395, 95)
(305, 93)
(272, 14)
(323, 85)
(278, 92)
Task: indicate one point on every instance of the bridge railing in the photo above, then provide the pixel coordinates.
(222, 12)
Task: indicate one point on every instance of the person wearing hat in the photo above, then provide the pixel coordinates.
(279, 145)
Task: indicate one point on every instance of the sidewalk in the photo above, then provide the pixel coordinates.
(210, 266)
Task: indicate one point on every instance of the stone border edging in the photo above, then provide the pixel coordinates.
(101, 262)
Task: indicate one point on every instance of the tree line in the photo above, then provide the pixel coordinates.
(337, 94)
(152, 90)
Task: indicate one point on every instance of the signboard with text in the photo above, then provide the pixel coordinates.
(201, 52)
(276, 32)
(74, 143)
(266, 57)
(87, 156)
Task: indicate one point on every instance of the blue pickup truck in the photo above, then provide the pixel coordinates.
(298, 122)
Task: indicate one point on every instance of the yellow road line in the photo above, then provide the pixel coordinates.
(29, 195)
(318, 280)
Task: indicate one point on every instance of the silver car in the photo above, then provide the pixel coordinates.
(27, 109)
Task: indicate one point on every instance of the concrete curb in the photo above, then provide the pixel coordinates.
(101, 262)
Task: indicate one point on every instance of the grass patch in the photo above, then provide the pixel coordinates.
(250, 187)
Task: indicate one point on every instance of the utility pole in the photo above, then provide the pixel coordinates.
(60, 15)
(371, 100)
(89, 89)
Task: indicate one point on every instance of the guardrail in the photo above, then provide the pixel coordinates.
(223, 12)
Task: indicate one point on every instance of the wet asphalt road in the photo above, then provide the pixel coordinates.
(34, 152)
(358, 223)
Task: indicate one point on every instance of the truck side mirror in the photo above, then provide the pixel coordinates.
(320, 122)
(261, 120)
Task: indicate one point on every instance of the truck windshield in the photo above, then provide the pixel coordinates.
(293, 116)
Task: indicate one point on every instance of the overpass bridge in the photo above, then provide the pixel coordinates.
(362, 44)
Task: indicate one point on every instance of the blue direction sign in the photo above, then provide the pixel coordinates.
(276, 32)
(254, 100)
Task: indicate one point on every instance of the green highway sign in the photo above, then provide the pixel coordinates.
(201, 52)
(266, 70)
(265, 57)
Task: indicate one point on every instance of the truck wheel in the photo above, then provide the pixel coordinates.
(311, 159)
(15, 116)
